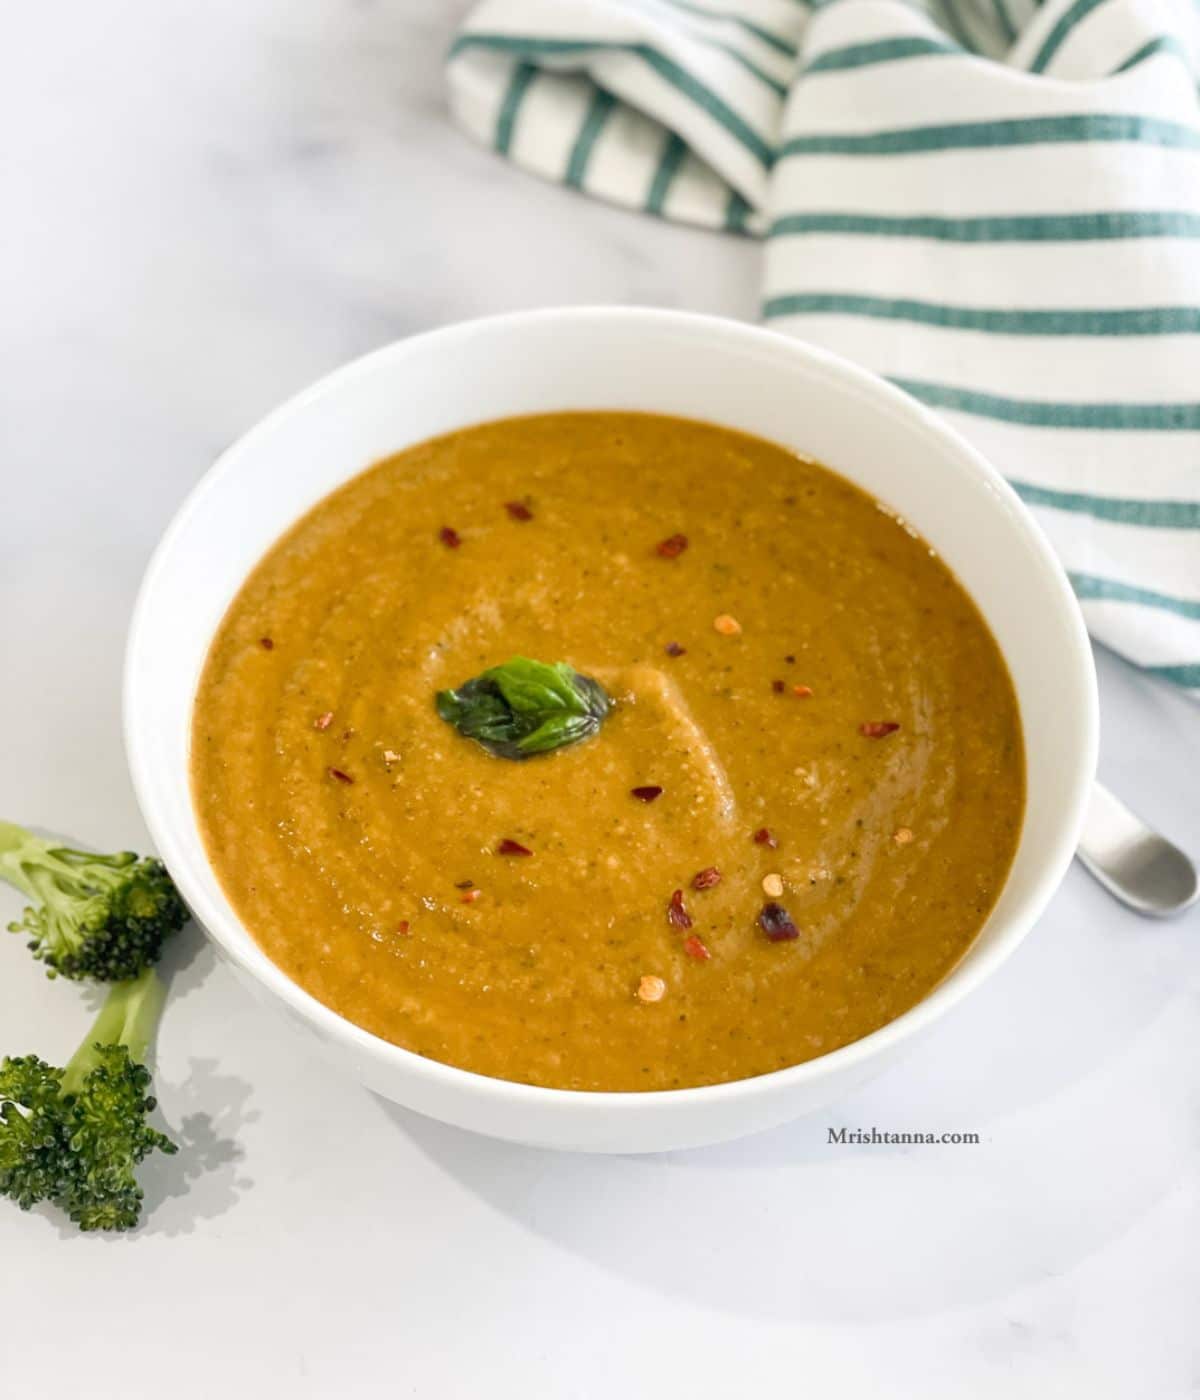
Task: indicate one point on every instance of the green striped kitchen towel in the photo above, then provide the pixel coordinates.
(995, 203)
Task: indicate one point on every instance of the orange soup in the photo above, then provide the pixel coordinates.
(772, 778)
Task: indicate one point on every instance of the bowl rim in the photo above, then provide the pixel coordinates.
(958, 983)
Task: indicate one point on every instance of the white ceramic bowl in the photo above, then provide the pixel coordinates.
(612, 358)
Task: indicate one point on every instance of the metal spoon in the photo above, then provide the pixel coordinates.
(1137, 865)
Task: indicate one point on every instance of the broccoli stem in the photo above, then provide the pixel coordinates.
(12, 836)
(13, 841)
(128, 1017)
(47, 870)
(53, 873)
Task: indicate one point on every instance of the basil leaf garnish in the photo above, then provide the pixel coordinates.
(525, 707)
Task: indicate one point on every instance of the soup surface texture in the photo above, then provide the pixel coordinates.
(829, 720)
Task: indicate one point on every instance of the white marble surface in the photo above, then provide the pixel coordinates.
(204, 207)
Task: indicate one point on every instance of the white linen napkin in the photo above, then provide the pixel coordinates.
(994, 203)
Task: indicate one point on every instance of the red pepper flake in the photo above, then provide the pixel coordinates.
(791, 660)
(802, 691)
(705, 879)
(778, 687)
(647, 793)
(877, 728)
(672, 547)
(322, 722)
(464, 884)
(677, 915)
(777, 924)
(696, 948)
(512, 848)
(266, 643)
(674, 649)
(518, 510)
(402, 928)
(471, 896)
(339, 775)
(763, 837)
(450, 538)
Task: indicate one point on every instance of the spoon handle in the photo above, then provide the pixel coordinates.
(1137, 865)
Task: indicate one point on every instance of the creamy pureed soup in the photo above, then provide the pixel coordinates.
(790, 822)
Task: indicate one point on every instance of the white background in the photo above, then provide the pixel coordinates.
(203, 207)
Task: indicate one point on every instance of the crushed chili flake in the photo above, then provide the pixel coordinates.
(518, 510)
(450, 538)
(402, 928)
(677, 915)
(877, 728)
(464, 884)
(802, 691)
(672, 547)
(651, 989)
(791, 660)
(726, 625)
(674, 649)
(512, 848)
(705, 879)
(323, 722)
(266, 643)
(763, 837)
(696, 948)
(777, 687)
(647, 793)
(471, 896)
(339, 775)
(776, 923)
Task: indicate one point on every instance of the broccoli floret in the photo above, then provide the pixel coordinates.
(94, 916)
(34, 1140)
(75, 1136)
